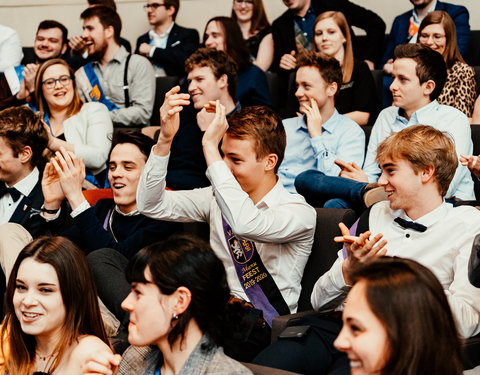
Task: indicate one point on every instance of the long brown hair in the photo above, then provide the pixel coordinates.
(411, 304)
(341, 21)
(259, 17)
(79, 298)
(451, 54)
(42, 105)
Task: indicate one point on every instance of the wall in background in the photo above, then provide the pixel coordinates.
(193, 13)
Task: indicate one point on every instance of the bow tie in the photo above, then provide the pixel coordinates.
(14, 193)
(410, 224)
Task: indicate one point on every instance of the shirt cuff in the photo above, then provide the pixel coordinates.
(218, 173)
(319, 146)
(156, 166)
(152, 51)
(84, 206)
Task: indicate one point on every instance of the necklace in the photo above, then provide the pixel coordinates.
(43, 358)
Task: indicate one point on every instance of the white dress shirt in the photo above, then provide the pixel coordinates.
(442, 117)
(25, 187)
(444, 248)
(281, 224)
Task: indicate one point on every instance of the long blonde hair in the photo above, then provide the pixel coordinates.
(341, 21)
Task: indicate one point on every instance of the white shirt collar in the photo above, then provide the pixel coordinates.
(26, 185)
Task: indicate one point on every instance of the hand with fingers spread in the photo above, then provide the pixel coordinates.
(52, 190)
(314, 118)
(71, 172)
(215, 132)
(170, 119)
(472, 163)
(359, 250)
(351, 171)
(105, 363)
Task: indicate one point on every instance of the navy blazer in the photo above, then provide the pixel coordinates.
(181, 43)
(27, 213)
(399, 33)
(284, 35)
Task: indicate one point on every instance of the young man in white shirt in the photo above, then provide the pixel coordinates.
(274, 228)
(417, 165)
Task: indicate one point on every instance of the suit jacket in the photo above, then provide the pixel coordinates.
(181, 43)
(27, 213)
(284, 36)
(399, 33)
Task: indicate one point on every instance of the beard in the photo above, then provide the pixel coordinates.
(423, 5)
(99, 52)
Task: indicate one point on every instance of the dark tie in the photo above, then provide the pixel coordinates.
(14, 193)
(410, 224)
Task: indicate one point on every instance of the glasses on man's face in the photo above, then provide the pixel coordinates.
(52, 82)
(437, 38)
(153, 6)
(246, 2)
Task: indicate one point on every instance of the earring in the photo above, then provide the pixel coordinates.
(174, 316)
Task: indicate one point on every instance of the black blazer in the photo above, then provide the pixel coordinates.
(181, 43)
(284, 36)
(27, 213)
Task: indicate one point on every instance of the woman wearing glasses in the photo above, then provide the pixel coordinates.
(83, 128)
(437, 31)
(252, 20)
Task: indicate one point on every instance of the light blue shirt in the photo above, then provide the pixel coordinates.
(341, 139)
(441, 117)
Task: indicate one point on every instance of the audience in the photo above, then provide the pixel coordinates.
(397, 321)
(178, 306)
(22, 141)
(52, 321)
(85, 129)
(418, 164)
(223, 34)
(212, 75)
(252, 19)
(419, 76)
(316, 139)
(246, 200)
(167, 45)
(437, 31)
(124, 83)
(18, 83)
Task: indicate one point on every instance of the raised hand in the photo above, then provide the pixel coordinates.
(144, 49)
(314, 118)
(351, 171)
(288, 61)
(28, 82)
(215, 132)
(52, 190)
(472, 163)
(359, 250)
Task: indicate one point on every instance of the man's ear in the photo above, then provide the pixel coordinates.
(429, 87)
(109, 32)
(223, 81)
(183, 298)
(171, 11)
(332, 89)
(428, 173)
(270, 162)
(25, 155)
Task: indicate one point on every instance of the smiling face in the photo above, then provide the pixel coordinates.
(12, 168)
(363, 337)
(297, 5)
(329, 38)
(433, 36)
(96, 36)
(214, 36)
(48, 44)
(37, 300)
(60, 96)
(160, 15)
(406, 89)
(311, 85)
(124, 170)
(243, 10)
(204, 86)
(150, 313)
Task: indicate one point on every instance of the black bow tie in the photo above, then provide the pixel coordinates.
(14, 193)
(410, 224)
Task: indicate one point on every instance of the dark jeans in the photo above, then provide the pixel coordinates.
(311, 354)
(321, 190)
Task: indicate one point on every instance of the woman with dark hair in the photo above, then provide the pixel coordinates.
(223, 34)
(357, 97)
(52, 321)
(179, 305)
(397, 321)
(252, 19)
(83, 128)
(438, 32)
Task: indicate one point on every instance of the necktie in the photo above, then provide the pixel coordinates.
(410, 224)
(14, 193)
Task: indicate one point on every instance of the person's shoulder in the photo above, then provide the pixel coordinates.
(187, 30)
(87, 345)
(144, 37)
(94, 107)
(451, 9)
(279, 21)
(462, 67)
(388, 113)
(223, 364)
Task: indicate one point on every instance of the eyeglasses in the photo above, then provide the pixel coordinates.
(52, 82)
(154, 6)
(436, 37)
(246, 2)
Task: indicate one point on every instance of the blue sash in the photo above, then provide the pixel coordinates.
(96, 94)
